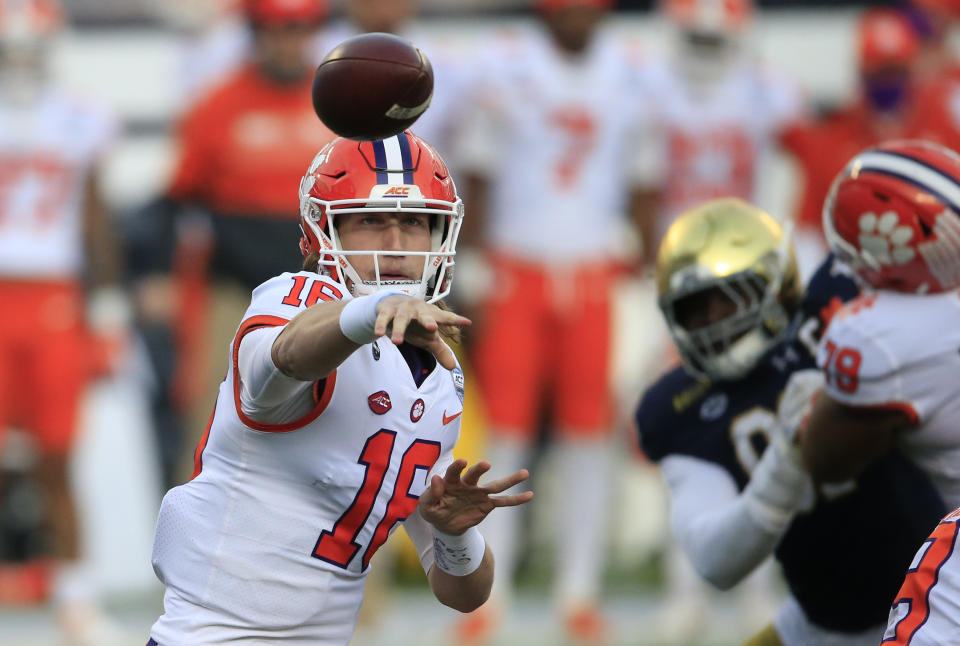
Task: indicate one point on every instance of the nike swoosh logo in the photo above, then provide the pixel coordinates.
(447, 420)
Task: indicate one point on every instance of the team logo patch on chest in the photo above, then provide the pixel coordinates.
(379, 402)
(714, 407)
(416, 411)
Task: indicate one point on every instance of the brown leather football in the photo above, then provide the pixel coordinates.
(372, 86)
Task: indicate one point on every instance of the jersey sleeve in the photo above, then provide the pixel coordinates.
(712, 523)
(861, 370)
(655, 419)
(286, 295)
(266, 394)
(273, 304)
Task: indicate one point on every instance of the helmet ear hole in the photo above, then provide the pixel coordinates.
(927, 231)
(880, 196)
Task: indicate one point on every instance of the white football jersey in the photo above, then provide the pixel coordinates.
(273, 537)
(926, 611)
(554, 135)
(47, 152)
(902, 351)
(714, 139)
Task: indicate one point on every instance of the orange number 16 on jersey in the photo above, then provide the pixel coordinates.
(338, 545)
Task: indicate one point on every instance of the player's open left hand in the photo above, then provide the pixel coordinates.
(454, 503)
(415, 321)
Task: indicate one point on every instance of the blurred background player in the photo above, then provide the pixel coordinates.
(888, 358)
(732, 297)
(228, 209)
(719, 114)
(551, 165)
(59, 273)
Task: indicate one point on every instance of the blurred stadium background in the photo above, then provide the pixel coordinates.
(129, 54)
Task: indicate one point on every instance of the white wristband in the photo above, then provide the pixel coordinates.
(358, 318)
(458, 555)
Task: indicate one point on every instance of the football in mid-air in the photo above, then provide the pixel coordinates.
(372, 86)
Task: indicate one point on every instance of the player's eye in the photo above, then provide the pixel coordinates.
(418, 221)
(372, 220)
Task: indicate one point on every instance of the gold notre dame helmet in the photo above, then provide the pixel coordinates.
(729, 245)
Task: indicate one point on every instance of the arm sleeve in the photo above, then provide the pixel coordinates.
(712, 522)
(266, 394)
(864, 370)
(419, 530)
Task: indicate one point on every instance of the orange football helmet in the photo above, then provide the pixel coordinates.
(709, 16)
(893, 215)
(400, 174)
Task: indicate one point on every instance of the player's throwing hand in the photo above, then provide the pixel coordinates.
(415, 321)
(453, 504)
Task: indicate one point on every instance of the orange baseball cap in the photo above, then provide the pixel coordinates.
(886, 39)
(273, 12)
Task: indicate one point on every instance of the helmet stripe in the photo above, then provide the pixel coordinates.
(391, 147)
(914, 172)
(406, 159)
(380, 159)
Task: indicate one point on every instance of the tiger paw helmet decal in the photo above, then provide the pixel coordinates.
(885, 241)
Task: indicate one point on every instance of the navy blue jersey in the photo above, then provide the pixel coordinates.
(844, 561)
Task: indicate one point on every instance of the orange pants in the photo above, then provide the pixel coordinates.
(546, 332)
(43, 360)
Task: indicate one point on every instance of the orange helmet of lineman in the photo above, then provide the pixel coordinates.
(893, 215)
